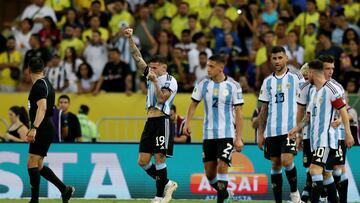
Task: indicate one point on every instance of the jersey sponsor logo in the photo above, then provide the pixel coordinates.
(242, 179)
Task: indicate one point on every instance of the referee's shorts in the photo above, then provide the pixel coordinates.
(43, 138)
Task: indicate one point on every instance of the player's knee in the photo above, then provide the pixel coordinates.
(143, 161)
(276, 165)
(327, 175)
(160, 158)
(222, 167)
(315, 169)
(33, 161)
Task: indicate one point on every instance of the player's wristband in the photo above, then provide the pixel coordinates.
(34, 127)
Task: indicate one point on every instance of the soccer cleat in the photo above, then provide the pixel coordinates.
(156, 200)
(66, 195)
(170, 187)
(295, 197)
(230, 197)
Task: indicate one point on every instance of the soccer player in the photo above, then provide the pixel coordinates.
(41, 104)
(340, 178)
(222, 95)
(323, 136)
(278, 96)
(155, 138)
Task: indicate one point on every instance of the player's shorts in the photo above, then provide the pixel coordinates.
(324, 157)
(340, 153)
(157, 136)
(307, 154)
(214, 149)
(275, 146)
(43, 138)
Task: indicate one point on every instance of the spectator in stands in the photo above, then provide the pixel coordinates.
(116, 76)
(325, 23)
(178, 123)
(49, 46)
(10, 70)
(85, 81)
(270, 15)
(180, 20)
(96, 54)
(49, 30)
(163, 46)
(57, 75)
(19, 126)
(263, 66)
(217, 16)
(95, 10)
(164, 8)
(120, 17)
(193, 24)
(185, 43)
(84, 5)
(351, 10)
(36, 50)
(311, 15)
(193, 55)
(69, 40)
(37, 11)
(25, 83)
(145, 19)
(179, 68)
(95, 26)
(280, 34)
(341, 26)
(327, 48)
(352, 86)
(71, 18)
(59, 6)
(246, 23)
(236, 57)
(349, 35)
(200, 71)
(89, 132)
(71, 64)
(243, 81)
(70, 125)
(310, 42)
(294, 51)
(165, 25)
(22, 35)
(220, 32)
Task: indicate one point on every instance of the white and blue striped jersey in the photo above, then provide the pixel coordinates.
(340, 131)
(219, 99)
(165, 82)
(322, 107)
(303, 99)
(280, 93)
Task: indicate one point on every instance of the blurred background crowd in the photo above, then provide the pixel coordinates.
(86, 52)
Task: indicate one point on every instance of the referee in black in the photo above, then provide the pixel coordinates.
(41, 105)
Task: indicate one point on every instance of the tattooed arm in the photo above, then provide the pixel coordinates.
(262, 124)
(140, 63)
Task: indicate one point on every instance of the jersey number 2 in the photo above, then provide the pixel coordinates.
(215, 102)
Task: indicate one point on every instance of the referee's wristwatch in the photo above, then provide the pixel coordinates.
(34, 127)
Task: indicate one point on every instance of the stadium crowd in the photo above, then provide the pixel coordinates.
(86, 52)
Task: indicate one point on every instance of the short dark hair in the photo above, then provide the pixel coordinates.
(203, 53)
(36, 36)
(165, 18)
(324, 33)
(158, 59)
(195, 16)
(197, 36)
(326, 58)
(277, 49)
(30, 21)
(173, 107)
(186, 31)
(316, 65)
(96, 2)
(64, 96)
(36, 65)
(84, 109)
(115, 50)
(11, 38)
(217, 58)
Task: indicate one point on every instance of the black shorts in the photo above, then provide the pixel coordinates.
(324, 157)
(275, 146)
(44, 136)
(215, 149)
(340, 153)
(307, 154)
(157, 136)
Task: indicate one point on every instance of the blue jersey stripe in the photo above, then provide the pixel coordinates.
(322, 115)
(227, 109)
(204, 90)
(268, 122)
(291, 98)
(279, 106)
(215, 110)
